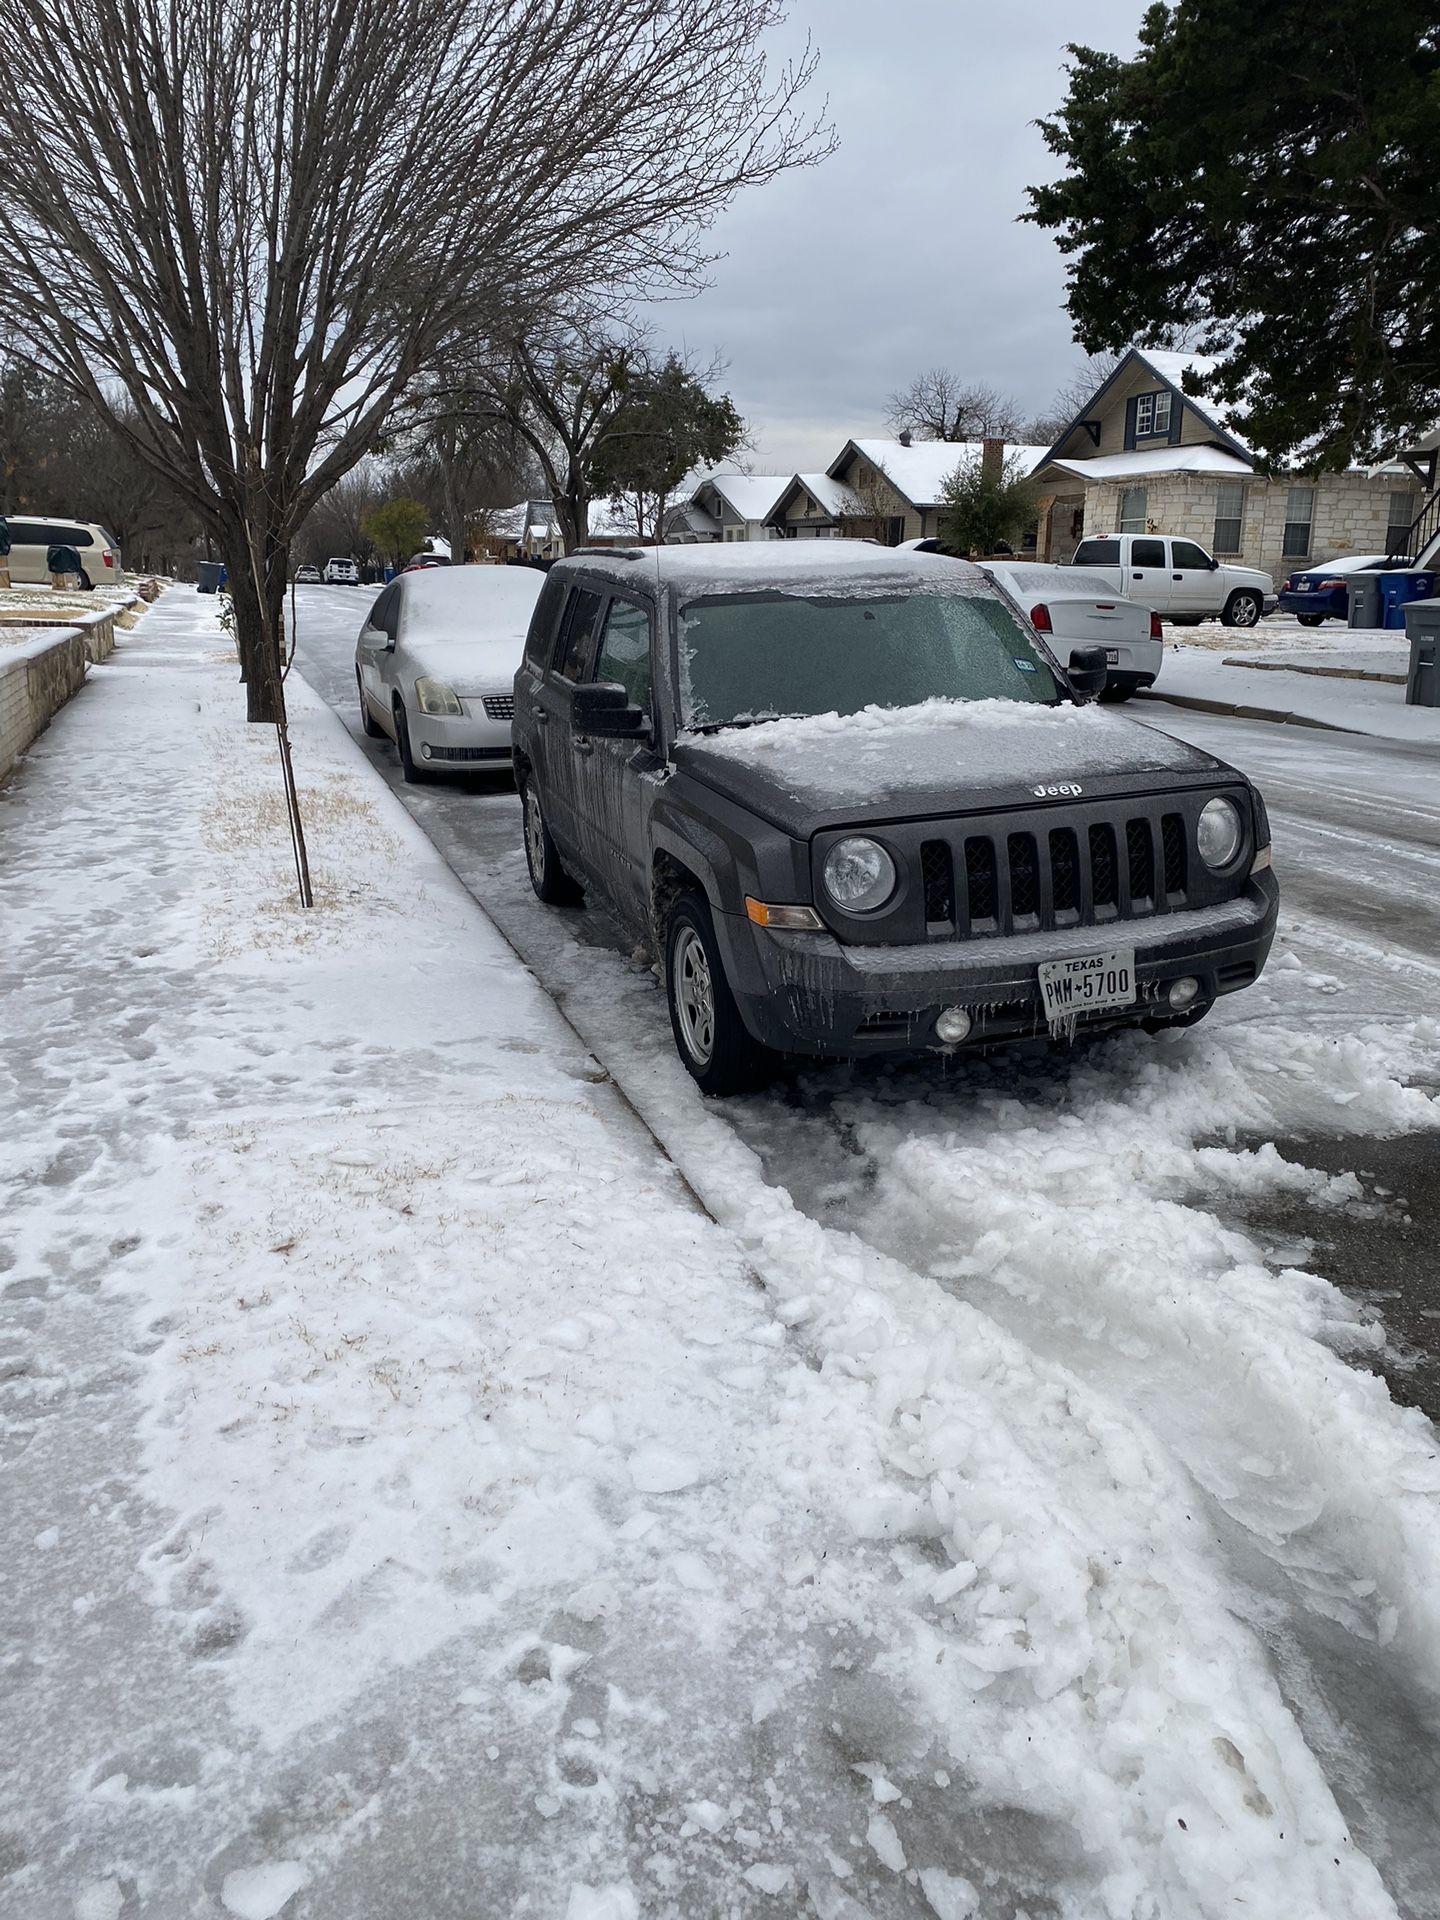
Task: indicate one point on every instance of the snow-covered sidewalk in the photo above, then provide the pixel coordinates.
(1271, 672)
(413, 1503)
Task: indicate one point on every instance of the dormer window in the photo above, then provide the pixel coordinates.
(1152, 415)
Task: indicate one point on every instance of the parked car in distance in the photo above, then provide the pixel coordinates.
(1074, 608)
(1317, 594)
(33, 535)
(427, 559)
(1177, 578)
(855, 804)
(307, 576)
(435, 666)
(342, 573)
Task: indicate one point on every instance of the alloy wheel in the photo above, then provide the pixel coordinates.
(694, 995)
(534, 836)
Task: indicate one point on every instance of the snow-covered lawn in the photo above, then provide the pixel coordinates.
(416, 1504)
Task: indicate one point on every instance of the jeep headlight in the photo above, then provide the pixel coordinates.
(435, 697)
(859, 875)
(1218, 833)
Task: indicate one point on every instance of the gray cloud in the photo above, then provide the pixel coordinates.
(902, 251)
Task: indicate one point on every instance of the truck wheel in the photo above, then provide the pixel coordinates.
(548, 877)
(368, 722)
(1117, 690)
(1310, 619)
(710, 1037)
(1242, 609)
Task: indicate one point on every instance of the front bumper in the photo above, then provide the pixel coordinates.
(470, 742)
(806, 993)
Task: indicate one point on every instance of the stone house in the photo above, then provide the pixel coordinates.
(1145, 456)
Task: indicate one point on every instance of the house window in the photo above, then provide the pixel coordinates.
(1299, 516)
(1229, 515)
(1402, 515)
(1152, 415)
(1132, 510)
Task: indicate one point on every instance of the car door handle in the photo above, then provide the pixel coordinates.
(1177, 576)
(583, 746)
(1137, 576)
(542, 718)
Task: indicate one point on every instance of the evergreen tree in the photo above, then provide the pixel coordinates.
(1263, 182)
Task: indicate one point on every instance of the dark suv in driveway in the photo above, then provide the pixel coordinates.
(858, 806)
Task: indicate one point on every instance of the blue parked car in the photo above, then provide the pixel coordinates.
(1323, 593)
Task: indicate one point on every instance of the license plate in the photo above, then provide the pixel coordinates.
(1088, 985)
(1112, 656)
(1302, 586)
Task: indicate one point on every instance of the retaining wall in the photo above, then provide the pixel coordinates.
(40, 669)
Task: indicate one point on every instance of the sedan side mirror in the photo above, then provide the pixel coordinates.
(605, 710)
(1087, 672)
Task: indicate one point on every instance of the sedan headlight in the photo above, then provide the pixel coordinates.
(859, 875)
(435, 697)
(1218, 833)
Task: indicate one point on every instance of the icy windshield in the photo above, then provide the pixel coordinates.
(763, 656)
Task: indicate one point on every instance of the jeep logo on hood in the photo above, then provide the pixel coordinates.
(1064, 790)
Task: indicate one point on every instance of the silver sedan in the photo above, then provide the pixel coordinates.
(435, 665)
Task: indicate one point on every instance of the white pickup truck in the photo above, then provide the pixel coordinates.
(1177, 578)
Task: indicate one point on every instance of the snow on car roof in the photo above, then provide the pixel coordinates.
(1347, 563)
(1074, 581)
(782, 566)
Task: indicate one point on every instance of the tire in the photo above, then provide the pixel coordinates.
(87, 585)
(1242, 609)
(1310, 619)
(718, 1051)
(414, 775)
(371, 726)
(548, 875)
(1116, 690)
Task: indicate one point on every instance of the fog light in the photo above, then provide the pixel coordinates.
(952, 1026)
(424, 749)
(1183, 992)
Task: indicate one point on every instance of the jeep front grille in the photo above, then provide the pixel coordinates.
(1038, 877)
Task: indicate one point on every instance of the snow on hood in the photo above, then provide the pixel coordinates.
(467, 625)
(940, 756)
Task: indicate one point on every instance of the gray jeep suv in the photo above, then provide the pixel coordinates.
(858, 806)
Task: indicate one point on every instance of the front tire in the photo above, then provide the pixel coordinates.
(370, 725)
(1242, 609)
(548, 876)
(718, 1050)
(414, 775)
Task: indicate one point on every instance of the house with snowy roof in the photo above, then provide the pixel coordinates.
(888, 490)
(1144, 455)
(726, 506)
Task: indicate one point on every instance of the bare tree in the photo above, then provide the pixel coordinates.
(1077, 389)
(257, 219)
(939, 405)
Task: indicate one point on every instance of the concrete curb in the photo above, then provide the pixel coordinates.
(1231, 712)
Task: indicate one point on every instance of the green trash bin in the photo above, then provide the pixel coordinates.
(1422, 629)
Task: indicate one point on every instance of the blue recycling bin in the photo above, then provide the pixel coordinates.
(1398, 589)
(208, 574)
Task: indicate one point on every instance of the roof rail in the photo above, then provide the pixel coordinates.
(614, 553)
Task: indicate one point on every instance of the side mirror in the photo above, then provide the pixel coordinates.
(1214, 564)
(1087, 672)
(605, 710)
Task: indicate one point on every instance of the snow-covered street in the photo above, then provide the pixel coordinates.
(448, 1468)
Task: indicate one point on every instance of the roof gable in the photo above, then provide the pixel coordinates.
(918, 472)
(1169, 369)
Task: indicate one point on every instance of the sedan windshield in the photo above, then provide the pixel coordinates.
(764, 656)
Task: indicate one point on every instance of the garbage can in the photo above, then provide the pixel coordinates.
(1365, 607)
(207, 576)
(1397, 590)
(1422, 629)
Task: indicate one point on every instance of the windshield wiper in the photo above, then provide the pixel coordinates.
(752, 720)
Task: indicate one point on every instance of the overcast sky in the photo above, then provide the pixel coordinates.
(902, 250)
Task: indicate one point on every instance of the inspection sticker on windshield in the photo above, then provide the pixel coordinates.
(1088, 985)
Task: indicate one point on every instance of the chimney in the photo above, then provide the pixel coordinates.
(905, 437)
(992, 459)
